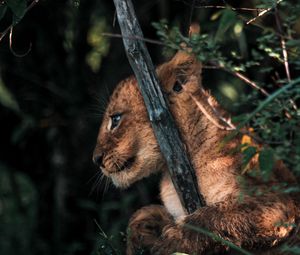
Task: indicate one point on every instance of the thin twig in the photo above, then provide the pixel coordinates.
(285, 58)
(134, 38)
(246, 80)
(240, 76)
(283, 45)
(5, 32)
(226, 7)
(223, 7)
(228, 125)
(11, 48)
(262, 13)
(208, 116)
(284, 53)
(259, 15)
(8, 29)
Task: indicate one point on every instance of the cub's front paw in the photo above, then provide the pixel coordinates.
(173, 240)
(145, 228)
(170, 241)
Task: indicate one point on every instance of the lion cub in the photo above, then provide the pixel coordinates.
(127, 151)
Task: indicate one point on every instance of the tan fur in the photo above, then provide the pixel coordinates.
(233, 212)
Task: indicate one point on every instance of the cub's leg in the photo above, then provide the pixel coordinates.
(256, 223)
(145, 228)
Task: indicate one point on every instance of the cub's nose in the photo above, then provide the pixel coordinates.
(98, 160)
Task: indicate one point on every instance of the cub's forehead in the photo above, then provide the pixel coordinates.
(125, 94)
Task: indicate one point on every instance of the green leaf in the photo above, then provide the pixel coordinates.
(7, 99)
(18, 7)
(248, 154)
(291, 249)
(227, 21)
(292, 189)
(218, 239)
(293, 43)
(3, 9)
(266, 162)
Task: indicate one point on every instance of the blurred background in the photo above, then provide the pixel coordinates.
(55, 81)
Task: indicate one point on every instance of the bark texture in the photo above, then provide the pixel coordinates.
(163, 124)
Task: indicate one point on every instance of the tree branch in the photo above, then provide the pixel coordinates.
(284, 52)
(249, 82)
(181, 171)
(263, 13)
(135, 38)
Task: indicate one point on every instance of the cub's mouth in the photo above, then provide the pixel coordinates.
(127, 164)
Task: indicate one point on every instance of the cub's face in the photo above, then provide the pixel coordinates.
(126, 148)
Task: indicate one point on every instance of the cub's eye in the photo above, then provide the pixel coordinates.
(177, 86)
(115, 119)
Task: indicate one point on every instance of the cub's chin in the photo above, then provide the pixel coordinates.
(134, 170)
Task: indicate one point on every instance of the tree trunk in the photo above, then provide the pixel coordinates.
(166, 132)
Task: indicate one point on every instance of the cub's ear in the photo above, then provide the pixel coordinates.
(182, 68)
(178, 71)
(184, 62)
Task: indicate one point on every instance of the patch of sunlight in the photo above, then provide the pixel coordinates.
(215, 16)
(7, 99)
(228, 91)
(99, 44)
(238, 28)
(272, 54)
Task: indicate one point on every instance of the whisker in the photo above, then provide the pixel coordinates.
(103, 177)
(99, 97)
(107, 92)
(118, 165)
(95, 107)
(93, 177)
(96, 183)
(93, 112)
(107, 184)
(98, 104)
